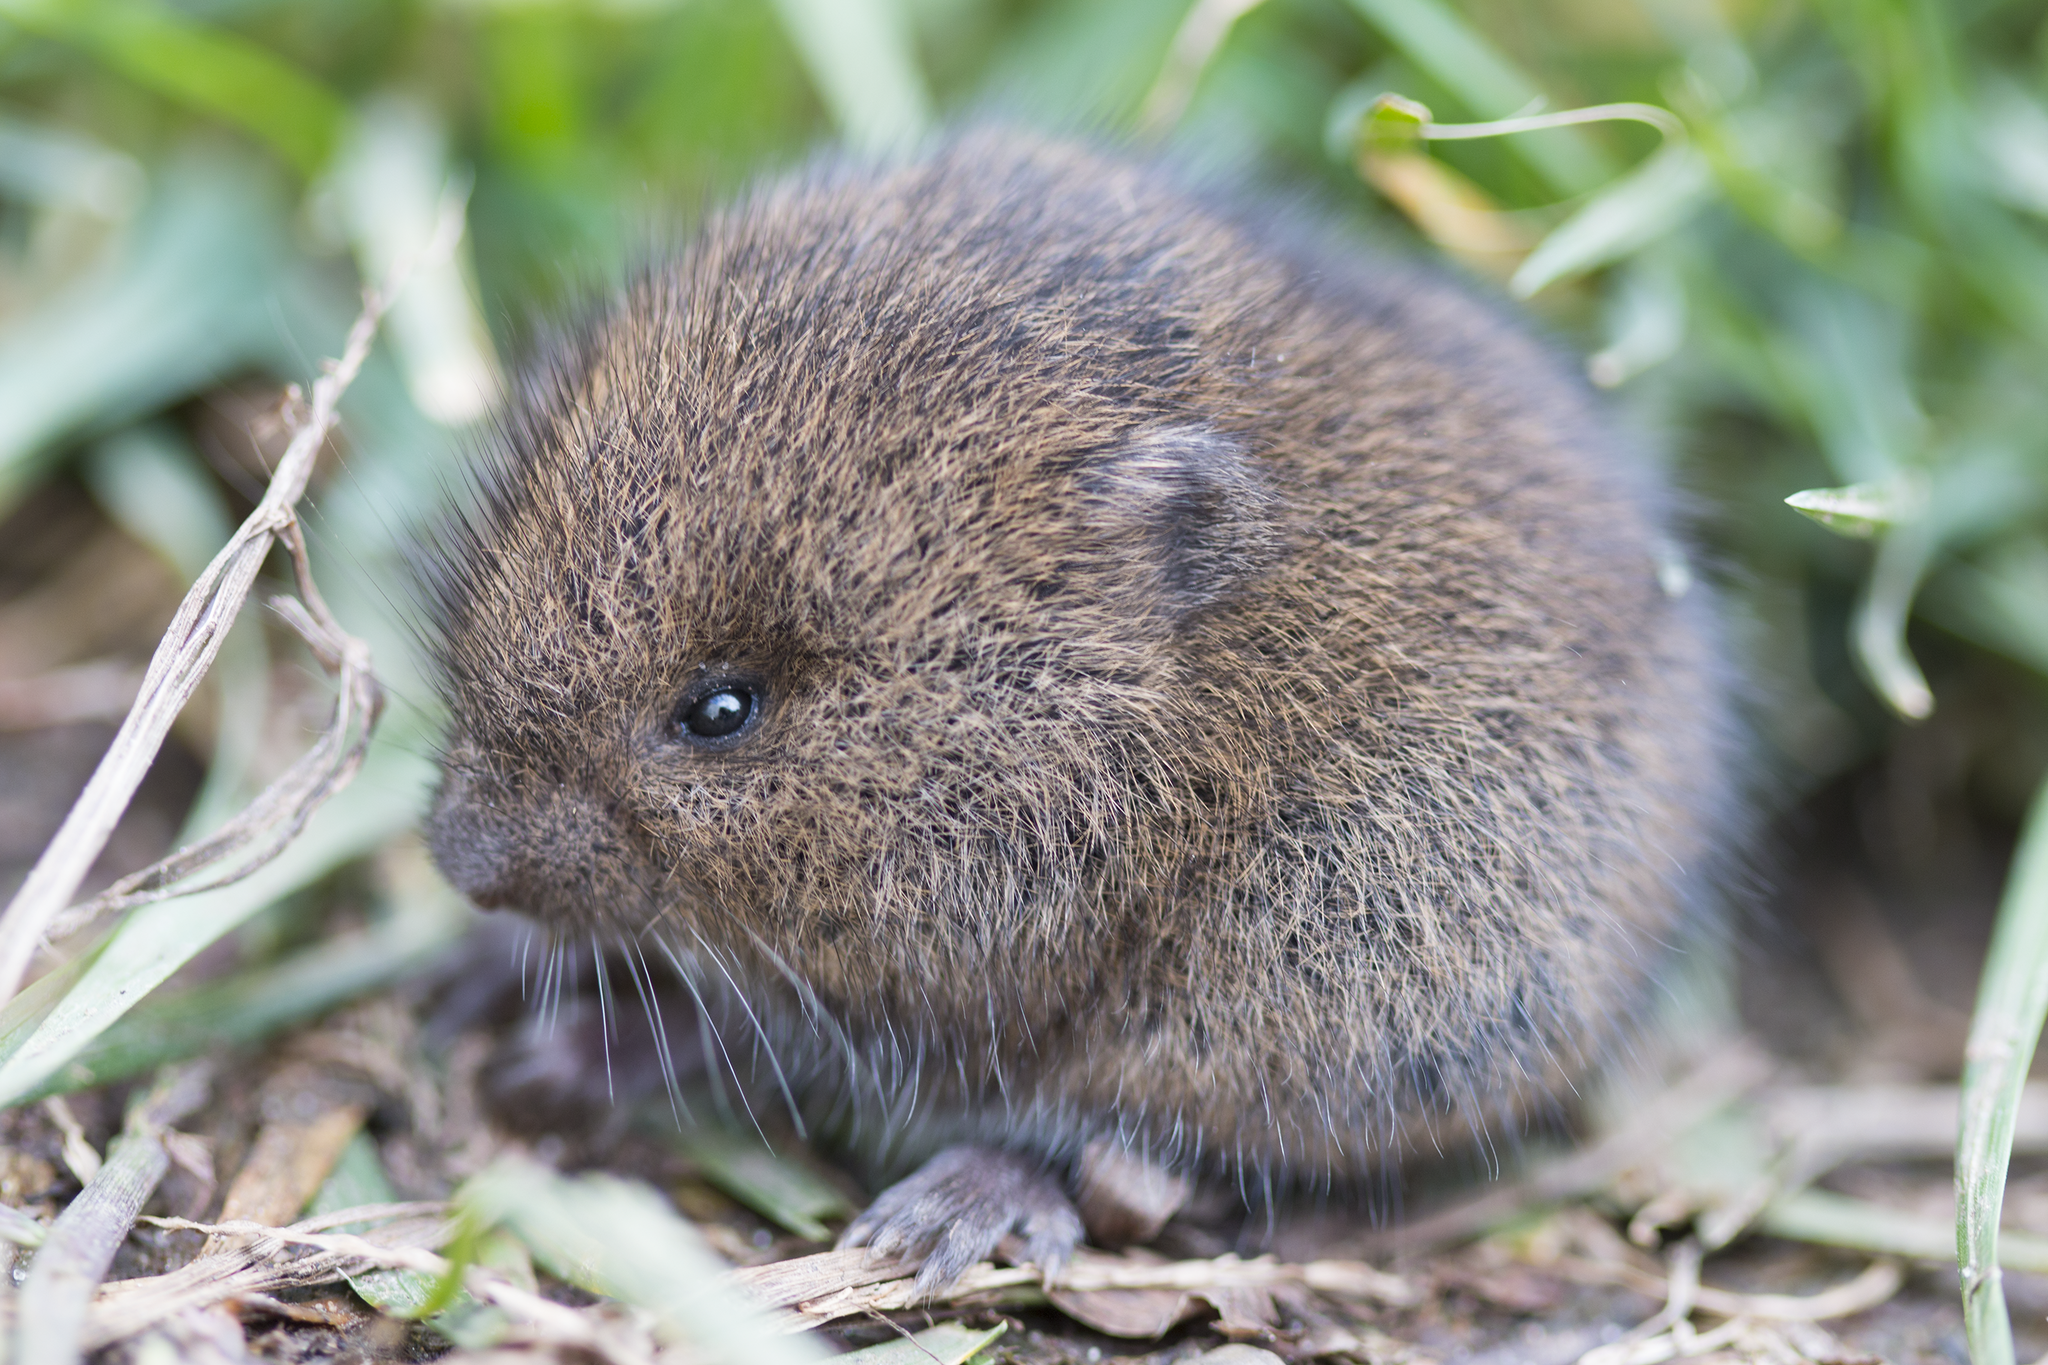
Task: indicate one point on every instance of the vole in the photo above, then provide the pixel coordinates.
(1081, 664)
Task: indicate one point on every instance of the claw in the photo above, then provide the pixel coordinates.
(955, 1209)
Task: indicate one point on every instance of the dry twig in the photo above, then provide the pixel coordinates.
(182, 658)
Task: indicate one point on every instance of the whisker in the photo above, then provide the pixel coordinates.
(643, 982)
(814, 1009)
(565, 994)
(604, 1016)
(551, 987)
(708, 1028)
(760, 1034)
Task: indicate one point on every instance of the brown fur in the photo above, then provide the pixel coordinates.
(1218, 692)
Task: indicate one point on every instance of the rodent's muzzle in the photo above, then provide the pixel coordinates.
(544, 849)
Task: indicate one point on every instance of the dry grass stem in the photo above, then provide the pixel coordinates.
(261, 1260)
(81, 1244)
(1824, 1127)
(263, 828)
(841, 1284)
(1730, 1071)
(288, 1162)
(1680, 1288)
(265, 1262)
(181, 660)
(1755, 1321)
(79, 1154)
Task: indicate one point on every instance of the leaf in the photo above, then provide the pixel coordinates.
(2015, 141)
(1879, 626)
(254, 1004)
(950, 1343)
(1861, 510)
(18, 1229)
(1846, 364)
(358, 1179)
(2001, 603)
(198, 64)
(1628, 215)
(777, 1187)
(49, 164)
(621, 1239)
(388, 188)
(860, 58)
(1081, 63)
(152, 483)
(1436, 39)
(1393, 125)
(1645, 317)
(189, 300)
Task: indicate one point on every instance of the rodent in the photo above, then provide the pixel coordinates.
(1081, 663)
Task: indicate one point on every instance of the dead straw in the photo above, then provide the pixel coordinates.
(181, 661)
(81, 1244)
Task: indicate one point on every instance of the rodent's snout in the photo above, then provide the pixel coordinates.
(546, 850)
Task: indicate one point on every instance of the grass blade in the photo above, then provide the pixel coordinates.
(197, 64)
(1879, 626)
(158, 939)
(950, 1343)
(1861, 510)
(254, 1004)
(621, 1239)
(51, 164)
(777, 1187)
(1823, 1218)
(1628, 215)
(186, 303)
(860, 58)
(389, 188)
(1440, 42)
(2012, 1001)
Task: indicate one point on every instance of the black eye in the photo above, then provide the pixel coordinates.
(717, 712)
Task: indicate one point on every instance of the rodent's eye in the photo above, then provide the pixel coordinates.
(717, 712)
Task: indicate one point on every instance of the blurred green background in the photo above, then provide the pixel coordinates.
(1834, 275)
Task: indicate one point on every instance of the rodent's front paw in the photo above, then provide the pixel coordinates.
(959, 1205)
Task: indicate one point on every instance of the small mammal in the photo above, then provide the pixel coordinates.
(1085, 668)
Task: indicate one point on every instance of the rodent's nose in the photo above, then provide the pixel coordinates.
(550, 852)
(470, 843)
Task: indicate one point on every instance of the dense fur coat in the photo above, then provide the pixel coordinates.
(1199, 690)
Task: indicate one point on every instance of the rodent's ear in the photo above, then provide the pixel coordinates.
(1188, 504)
